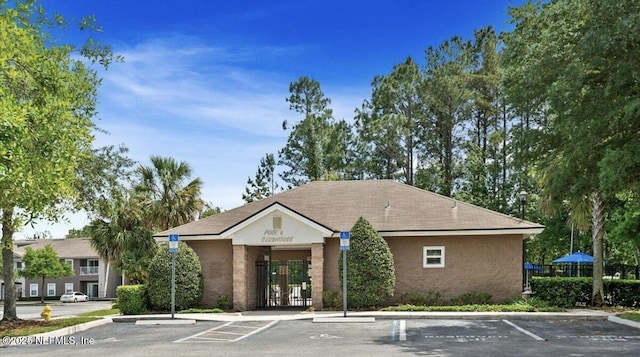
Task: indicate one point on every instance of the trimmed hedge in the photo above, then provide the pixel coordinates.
(475, 298)
(431, 298)
(622, 293)
(132, 299)
(189, 279)
(570, 292)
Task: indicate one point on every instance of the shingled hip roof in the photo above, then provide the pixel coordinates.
(391, 207)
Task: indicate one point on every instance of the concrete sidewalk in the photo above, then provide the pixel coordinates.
(582, 314)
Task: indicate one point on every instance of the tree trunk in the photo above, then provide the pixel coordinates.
(7, 266)
(106, 279)
(597, 216)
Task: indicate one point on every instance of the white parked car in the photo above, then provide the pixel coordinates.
(74, 296)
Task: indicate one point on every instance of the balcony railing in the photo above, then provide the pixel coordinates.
(88, 270)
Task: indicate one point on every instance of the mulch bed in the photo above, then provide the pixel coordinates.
(6, 326)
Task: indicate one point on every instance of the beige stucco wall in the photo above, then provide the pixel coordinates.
(472, 264)
(216, 258)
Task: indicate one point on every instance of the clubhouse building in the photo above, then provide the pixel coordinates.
(282, 251)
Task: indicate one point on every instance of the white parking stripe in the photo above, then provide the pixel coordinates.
(403, 330)
(526, 332)
(256, 331)
(203, 332)
(202, 336)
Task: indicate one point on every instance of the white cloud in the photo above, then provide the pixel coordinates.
(208, 105)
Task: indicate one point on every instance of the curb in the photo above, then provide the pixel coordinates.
(52, 336)
(73, 329)
(621, 321)
(579, 315)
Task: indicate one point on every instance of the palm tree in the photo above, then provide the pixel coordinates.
(108, 243)
(167, 200)
(121, 231)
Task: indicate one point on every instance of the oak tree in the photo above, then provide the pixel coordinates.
(47, 102)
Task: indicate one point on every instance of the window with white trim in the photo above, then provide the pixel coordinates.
(51, 289)
(433, 257)
(33, 289)
(69, 261)
(68, 287)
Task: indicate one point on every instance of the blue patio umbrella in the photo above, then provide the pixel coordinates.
(577, 257)
(531, 266)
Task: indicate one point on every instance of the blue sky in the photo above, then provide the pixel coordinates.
(206, 81)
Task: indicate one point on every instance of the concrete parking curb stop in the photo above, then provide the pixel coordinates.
(342, 319)
(166, 322)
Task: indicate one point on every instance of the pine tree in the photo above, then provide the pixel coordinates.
(264, 184)
(318, 147)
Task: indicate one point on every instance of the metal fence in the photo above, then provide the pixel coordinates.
(614, 271)
(283, 284)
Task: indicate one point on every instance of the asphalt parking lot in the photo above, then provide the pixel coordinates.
(388, 337)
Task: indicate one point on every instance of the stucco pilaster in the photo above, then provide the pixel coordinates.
(240, 277)
(317, 274)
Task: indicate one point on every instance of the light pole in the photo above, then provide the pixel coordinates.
(523, 202)
(525, 272)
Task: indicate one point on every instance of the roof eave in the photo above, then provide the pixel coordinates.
(528, 232)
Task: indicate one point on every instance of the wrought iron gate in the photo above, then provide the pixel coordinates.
(283, 284)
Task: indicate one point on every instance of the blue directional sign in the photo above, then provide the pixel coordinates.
(173, 243)
(344, 240)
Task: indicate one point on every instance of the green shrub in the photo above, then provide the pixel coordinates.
(562, 291)
(414, 298)
(370, 270)
(479, 298)
(331, 299)
(622, 293)
(132, 299)
(570, 292)
(224, 302)
(189, 280)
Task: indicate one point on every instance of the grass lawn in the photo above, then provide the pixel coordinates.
(633, 316)
(32, 327)
(100, 313)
